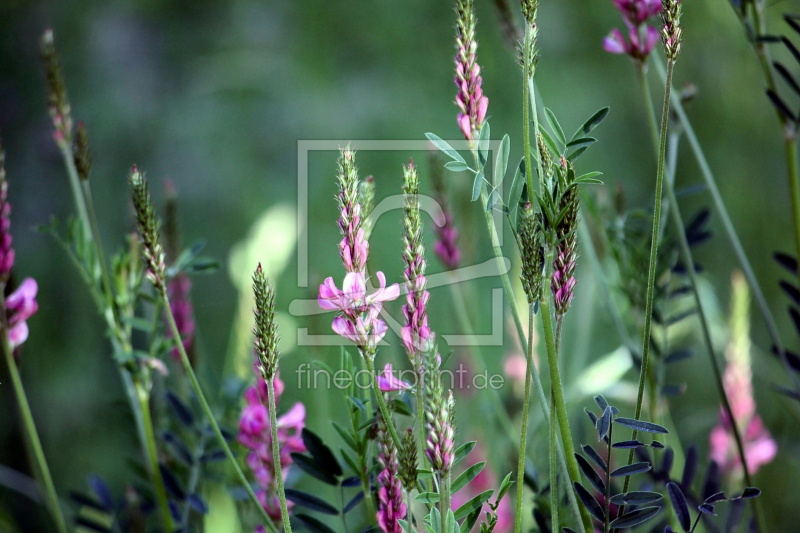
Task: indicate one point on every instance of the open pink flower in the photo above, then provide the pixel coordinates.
(388, 383)
(637, 46)
(636, 12)
(20, 306)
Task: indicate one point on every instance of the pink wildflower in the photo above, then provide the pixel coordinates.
(254, 434)
(470, 99)
(388, 383)
(641, 36)
(20, 306)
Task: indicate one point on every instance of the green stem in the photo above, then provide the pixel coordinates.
(727, 224)
(554, 515)
(187, 366)
(369, 359)
(276, 454)
(557, 391)
(152, 457)
(688, 260)
(607, 495)
(641, 75)
(523, 435)
(444, 493)
(790, 146)
(651, 271)
(33, 436)
(581, 515)
(528, 98)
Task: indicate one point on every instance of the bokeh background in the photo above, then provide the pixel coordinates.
(215, 96)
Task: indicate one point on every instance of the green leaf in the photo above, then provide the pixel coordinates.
(463, 450)
(433, 522)
(517, 183)
(637, 497)
(641, 425)
(576, 154)
(583, 142)
(450, 524)
(474, 503)
(589, 178)
(202, 265)
(442, 145)
(483, 144)
(558, 131)
(590, 502)
(322, 455)
(350, 461)
(429, 498)
(311, 502)
(501, 161)
(457, 166)
(466, 476)
(494, 197)
(353, 503)
(636, 517)
(313, 524)
(477, 185)
(504, 486)
(309, 466)
(593, 122)
(679, 505)
(629, 470)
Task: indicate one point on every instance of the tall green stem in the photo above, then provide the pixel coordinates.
(557, 391)
(32, 436)
(187, 366)
(369, 359)
(793, 175)
(727, 224)
(641, 75)
(152, 457)
(651, 271)
(523, 435)
(554, 502)
(276, 454)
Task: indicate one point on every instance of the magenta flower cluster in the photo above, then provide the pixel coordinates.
(446, 247)
(359, 320)
(255, 435)
(641, 36)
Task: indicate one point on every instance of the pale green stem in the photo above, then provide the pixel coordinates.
(444, 493)
(528, 103)
(727, 224)
(152, 457)
(187, 366)
(276, 454)
(688, 260)
(607, 495)
(651, 271)
(75, 184)
(790, 146)
(641, 75)
(554, 504)
(509, 292)
(523, 435)
(33, 436)
(369, 359)
(557, 391)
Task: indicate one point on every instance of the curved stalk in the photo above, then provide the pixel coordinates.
(152, 458)
(651, 271)
(187, 366)
(523, 436)
(32, 436)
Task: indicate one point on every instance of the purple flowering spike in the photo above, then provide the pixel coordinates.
(469, 99)
(390, 489)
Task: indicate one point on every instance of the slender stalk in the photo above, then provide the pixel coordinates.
(444, 494)
(187, 366)
(509, 293)
(557, 391)
(641, 75)
(523, 435)
(607, 495)
(276, 455)
(688, 260)
(554, 518)
(528, 98)
(790, 145)
(152, 457)
(369, 359)
(651, 271)
(727, 224)
(32, 436)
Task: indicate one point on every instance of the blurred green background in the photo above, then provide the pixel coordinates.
(215, 97)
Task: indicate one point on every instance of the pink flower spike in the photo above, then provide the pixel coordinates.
(388, 383)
